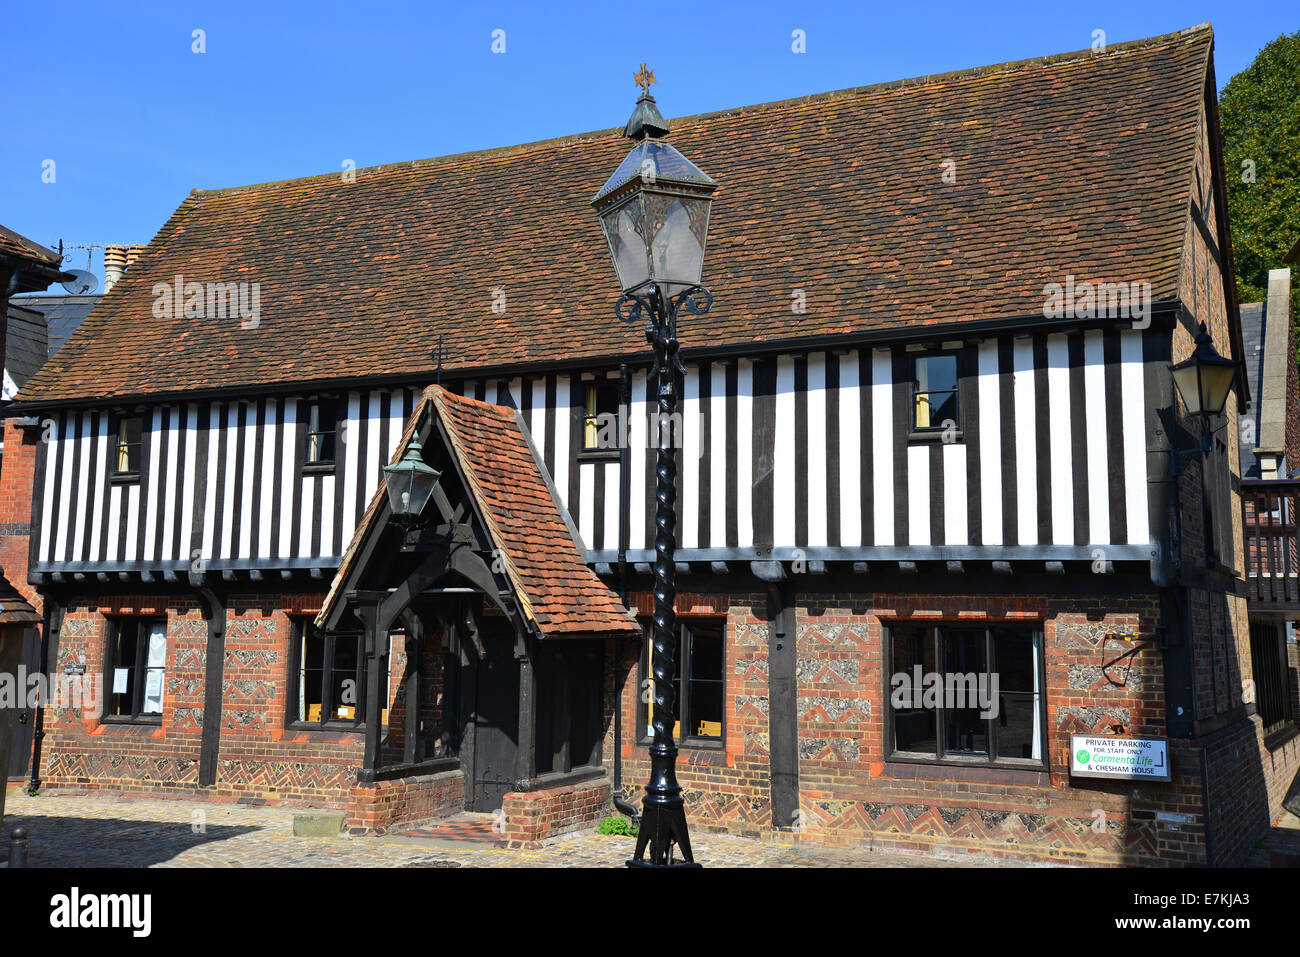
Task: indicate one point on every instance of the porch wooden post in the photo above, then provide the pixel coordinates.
(368, 613)
(526, 753)
(414, 663)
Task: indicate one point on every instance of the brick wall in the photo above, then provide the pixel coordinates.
(533, 817)
(260, 759)
(377, 807)
(725, 789)
(17, 468)
(850, 793)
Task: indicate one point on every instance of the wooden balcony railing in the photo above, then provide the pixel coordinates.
(1270, 509)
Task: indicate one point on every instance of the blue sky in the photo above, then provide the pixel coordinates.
(133, 118)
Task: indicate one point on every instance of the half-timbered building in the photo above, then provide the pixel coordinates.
(928, 427)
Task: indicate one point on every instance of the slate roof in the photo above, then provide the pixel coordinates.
(1079, 163)
(25, 343)
(553, 585)
(63, 314)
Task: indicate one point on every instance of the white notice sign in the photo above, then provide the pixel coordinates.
(1141, 759)
(119, 680)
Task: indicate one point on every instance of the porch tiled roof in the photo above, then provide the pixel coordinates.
(553, 585)
(1079, 163)
(14, 608)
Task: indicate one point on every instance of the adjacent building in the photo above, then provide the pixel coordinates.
(1270, 483)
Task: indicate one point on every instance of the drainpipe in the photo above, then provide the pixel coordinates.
(1162, 487)
(1164, 513)
(624, 511)
(51, 627)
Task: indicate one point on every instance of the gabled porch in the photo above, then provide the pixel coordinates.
(488, 586)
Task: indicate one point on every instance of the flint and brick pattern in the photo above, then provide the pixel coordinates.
(260, 760)
(850, 794)
(725, 789)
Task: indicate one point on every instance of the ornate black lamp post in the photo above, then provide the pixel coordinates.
(655, 214)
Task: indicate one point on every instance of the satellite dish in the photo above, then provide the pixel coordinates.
(82, 282)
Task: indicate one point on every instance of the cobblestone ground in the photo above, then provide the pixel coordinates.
(108, 831)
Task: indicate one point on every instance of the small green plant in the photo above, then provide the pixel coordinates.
(616, 824)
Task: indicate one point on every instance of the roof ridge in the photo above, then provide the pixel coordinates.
(1010, 66)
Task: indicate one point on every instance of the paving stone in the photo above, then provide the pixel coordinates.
(74, 830)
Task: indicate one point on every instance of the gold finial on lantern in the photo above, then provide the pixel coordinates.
(644, 77)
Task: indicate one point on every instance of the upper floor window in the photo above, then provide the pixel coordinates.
(601, 420)
(127, 445)
(965, 694)
(134, 667)
(934, 391)
(322, 428)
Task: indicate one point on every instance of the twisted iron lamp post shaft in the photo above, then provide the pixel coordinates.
(663, 819)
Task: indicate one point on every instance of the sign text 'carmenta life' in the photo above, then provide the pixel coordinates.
(1142, 759)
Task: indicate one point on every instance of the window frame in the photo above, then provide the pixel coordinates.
(292, 720)
(592, 411)
(965, 759)
(934, 432)
(129, 476)
(320, 403)
(682, 660)
(1277, 682)
(139, 668)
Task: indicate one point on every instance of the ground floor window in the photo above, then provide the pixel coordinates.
(697, 681)
(134, 668)
(965, 694)
(1272, 675)
(328, 679)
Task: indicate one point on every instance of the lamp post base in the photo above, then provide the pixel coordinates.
(663, 827)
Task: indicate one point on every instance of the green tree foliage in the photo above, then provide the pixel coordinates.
(1259, 112)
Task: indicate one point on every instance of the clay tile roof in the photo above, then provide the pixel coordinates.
(552, 584)
(14, 608)
(20, 247)
(1079, 163)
